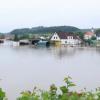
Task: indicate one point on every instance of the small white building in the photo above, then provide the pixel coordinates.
(65, 38)
(42, 38)
(24, 42)
(89, 34)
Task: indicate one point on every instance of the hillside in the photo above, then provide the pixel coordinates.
(41, 29)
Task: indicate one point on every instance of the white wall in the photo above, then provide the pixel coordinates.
(63, 41)
(70, 41)
(87, 37)
(98, 38)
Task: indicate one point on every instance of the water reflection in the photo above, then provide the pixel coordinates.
(98, 50)
(64, 52)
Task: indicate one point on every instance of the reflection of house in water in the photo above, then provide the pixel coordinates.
(64, 52)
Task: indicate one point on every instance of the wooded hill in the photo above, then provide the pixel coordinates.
(45, 30)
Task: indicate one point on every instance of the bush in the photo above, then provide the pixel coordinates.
(93, 38)
(66, 94)
(2, 95)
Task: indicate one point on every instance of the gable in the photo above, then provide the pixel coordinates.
(55, 37)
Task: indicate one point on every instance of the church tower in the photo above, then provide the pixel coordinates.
(92, 30)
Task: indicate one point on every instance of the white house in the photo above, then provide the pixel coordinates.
(65, 38)
(88, 35)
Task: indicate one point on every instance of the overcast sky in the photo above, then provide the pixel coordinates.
(30, 13)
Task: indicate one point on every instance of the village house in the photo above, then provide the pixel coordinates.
(88, 35)
(65, 39)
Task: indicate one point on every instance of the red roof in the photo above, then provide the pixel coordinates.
(89, 33)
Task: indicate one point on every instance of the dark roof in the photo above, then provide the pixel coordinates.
(65, 35)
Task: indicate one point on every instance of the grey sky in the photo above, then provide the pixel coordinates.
(30, 13)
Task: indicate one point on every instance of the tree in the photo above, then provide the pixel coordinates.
(93, 38)
(2, 36)
(16, 37)
(89, 42)
(97, 31)
(80, 34)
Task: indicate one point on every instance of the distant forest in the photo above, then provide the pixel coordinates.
(45, 30)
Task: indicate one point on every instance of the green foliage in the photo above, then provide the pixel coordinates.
(80, 34)
(28, 95)
(25, 36)
(2, 94)
(93, 38)
(97, 31)
(69, 84)
(2, 36)
(45, 95)
(16, 38)
(89, 42)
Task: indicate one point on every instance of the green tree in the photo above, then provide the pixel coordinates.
(97, 31)
(93, 38)
(80, 34)
(16, 37)
(89, 42)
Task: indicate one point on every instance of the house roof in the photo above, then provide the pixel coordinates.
(89, 33)
(65, 35)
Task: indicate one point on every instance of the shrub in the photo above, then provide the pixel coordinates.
(2, 94)
(66, 94)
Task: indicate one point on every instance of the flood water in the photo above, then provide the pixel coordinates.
(22, 68)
